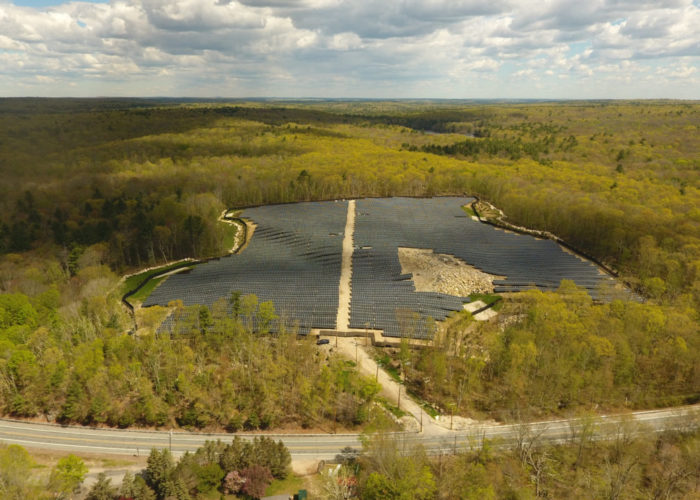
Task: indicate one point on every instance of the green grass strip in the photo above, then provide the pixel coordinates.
(469, 210)
(488, 299)
(132, 282)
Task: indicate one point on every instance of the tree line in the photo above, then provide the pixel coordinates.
(562, 354)
(631, 464)
(241, 468)
(217, 370)
(20, 479)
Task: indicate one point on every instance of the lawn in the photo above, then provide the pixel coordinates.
(291, 484)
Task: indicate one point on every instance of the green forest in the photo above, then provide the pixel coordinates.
(213, 371)
(634, 464)
(94, 189)
(562, 354)
(147, 180)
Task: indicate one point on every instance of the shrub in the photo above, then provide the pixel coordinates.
(257, 479)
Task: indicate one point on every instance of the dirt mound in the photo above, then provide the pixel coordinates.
(444, 273)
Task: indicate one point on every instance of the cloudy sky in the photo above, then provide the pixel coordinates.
(351, 48)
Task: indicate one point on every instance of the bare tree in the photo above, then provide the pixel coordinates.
(581, 435)
(338, 484)
(531, 452)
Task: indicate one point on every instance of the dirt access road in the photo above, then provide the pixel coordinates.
(354, 348)
(344, 288)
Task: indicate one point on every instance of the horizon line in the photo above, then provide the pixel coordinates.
(365, 99)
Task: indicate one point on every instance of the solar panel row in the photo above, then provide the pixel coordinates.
(294, 260)
(381, 292)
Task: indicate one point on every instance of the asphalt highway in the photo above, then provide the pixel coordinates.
(327, 446)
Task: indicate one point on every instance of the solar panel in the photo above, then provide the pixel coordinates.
(294, 260)
(384, 225)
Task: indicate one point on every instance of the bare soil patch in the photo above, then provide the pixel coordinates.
(444, 273)
(485, 315)
(243, 229)
(344, 289)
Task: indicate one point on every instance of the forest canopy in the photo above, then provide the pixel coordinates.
(147, 178)
(92, 189)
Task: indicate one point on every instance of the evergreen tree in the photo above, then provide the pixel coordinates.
(102, 489)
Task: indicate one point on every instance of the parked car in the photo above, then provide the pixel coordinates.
(322, 341)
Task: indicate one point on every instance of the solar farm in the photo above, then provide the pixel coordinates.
(294, 260)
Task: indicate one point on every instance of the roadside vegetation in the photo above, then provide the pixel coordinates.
(632, 464)
(558, 354)
(22, 477)
(215, 371)
(94, 189)
(240, 469)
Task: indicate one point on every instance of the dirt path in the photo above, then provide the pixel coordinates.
(239, 239)
(350, 347)
(344, 289)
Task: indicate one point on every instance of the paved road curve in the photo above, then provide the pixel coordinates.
(327, 446)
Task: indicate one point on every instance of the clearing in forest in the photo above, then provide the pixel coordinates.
(406, 260)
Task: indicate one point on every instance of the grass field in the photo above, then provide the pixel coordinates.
(291, 484)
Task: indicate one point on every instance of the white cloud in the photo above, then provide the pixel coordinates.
(196, 15)
(345, 41)
(7, 43)
(682, 71)
(423, 48)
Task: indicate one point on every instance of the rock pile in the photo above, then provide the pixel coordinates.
(444, 273)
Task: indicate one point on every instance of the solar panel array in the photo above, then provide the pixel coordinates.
(292, 260)
(381, 295)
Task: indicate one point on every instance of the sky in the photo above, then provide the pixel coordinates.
(459, 49)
